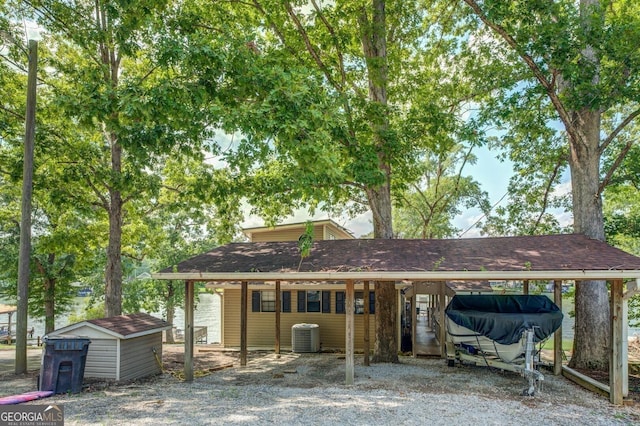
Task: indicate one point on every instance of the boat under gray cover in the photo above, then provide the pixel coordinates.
(503, 318)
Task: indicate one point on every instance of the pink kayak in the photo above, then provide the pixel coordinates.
(24, 397)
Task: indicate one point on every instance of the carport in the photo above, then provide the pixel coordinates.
(525, 258)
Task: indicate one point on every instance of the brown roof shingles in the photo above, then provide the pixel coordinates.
(570, 252)
(126, 325)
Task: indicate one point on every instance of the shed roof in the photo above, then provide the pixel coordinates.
(566, 256)
(122, 326)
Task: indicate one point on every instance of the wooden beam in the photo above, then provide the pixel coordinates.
(414, 319)
(525, 287)
(615, 362)
(349, 323)
(585, 381)
(443, 328)
(278, 309)
(189, 301)
(367, 342)
(402, 275)
(557, 336)
(243, 323)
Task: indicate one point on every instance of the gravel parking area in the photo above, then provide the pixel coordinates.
(297, 389)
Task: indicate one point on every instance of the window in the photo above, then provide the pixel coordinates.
(314, 301)
(359, 302)
(265, 301)
(268, 301)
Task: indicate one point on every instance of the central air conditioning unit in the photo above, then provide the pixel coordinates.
(305, 338)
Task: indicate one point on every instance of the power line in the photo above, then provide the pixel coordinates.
(483, 215)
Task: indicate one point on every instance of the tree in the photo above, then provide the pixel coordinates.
(428, 207)
(563, 68)
(318, 94)
(131, 108)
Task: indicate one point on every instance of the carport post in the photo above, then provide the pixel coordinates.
(243, 323)
(414, 319)
(367, 345)
(349, 322)
(278, 309)
(557, 336)
(616, 360)
(188, 330)
(441, 318)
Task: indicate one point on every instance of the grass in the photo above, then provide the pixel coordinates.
(567, 344)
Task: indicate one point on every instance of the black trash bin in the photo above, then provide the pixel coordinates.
(63, 361)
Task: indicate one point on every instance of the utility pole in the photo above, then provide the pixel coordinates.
(25, 221)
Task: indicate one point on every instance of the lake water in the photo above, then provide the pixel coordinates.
(207, 313)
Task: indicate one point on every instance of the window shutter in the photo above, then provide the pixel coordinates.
(286, 301)
(372, 302)
(339, 302)
(302, 301)
(326, 302)
(255, 301)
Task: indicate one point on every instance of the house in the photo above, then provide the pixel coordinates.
(301, 303)
(322, 230)
(559, 258)
(124, 347)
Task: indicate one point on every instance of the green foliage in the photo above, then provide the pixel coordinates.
(90, 312)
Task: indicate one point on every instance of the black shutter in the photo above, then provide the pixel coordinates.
(255, 301)
(286, 301)
(302, 301)
(372, 302)
(326, 302)
(339, 302)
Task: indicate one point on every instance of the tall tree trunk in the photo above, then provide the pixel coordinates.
(171, 309)
(49, 305)
(113, 270)
(592, 325)
(374, 44)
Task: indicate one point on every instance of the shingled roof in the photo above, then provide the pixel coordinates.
(521, 255)
(127, 325)
(122, 326)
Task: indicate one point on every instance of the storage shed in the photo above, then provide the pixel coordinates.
(124, 347)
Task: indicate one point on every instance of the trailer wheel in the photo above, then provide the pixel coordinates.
(528, 392)
(451, 362)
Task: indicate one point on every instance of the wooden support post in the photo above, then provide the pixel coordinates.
(189, 301)
(441, 318)
(625, 348)
(615, 362)
(414, 320)
(525, 287)
(243, 323)
(557, 336)
(278, 309)
(349, 322)
(367, 342)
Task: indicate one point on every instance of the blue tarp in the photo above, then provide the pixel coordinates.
(504, 318)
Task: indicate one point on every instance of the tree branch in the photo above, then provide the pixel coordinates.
(314, 54)
(547, 192)
(575, 134)
(615, 166)
(618, 129)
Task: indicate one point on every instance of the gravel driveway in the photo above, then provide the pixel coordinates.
(298, 389)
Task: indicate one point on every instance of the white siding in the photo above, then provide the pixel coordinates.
(101, 359)
(137, 358)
